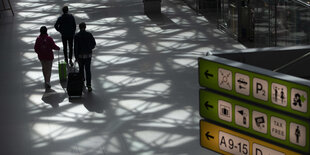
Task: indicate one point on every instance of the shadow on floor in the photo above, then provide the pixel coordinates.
(53, 98)
(162, 21)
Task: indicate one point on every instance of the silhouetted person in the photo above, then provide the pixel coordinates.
(44, 48)
(84, 43)
(66, 25)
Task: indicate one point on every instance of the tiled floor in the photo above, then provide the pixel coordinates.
(145, 97)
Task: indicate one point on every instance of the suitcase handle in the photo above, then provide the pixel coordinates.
(58, 57)
(73, 68)
(74, 64)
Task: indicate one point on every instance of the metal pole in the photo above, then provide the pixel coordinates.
(10, 6)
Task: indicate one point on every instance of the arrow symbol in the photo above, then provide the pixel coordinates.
(208, 74)
(207, 105)
(209, 136)
(240, 87)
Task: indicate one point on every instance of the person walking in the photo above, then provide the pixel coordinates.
(44, 46)
(84, 43)
(66, 25)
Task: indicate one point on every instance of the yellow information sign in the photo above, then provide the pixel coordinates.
(226, 141)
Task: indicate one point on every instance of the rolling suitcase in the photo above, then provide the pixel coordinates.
(74, 83)
(62, 70)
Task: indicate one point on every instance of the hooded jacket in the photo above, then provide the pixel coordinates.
(44, 46)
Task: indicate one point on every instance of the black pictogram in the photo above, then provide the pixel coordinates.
(297, 100)
(244, 115)
(282, 95)
(225, 79)
(278, 93)
(297, 134)
(260, 122)
(259, 88)
(242, 83)
(225, 111)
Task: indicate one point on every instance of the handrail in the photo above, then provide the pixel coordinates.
(303, 3)
(292, 62)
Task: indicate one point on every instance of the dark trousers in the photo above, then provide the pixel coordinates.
(84, 64)
(65, 40)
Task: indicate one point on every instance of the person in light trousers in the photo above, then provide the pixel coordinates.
(44, 46)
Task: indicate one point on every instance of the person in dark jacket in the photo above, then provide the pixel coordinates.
(84, 43)
(66, 25)
(44, 48)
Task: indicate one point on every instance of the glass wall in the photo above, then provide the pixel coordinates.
(292, 23)
(267, 22)
(229, 16)
(264, 27)
(202, 6)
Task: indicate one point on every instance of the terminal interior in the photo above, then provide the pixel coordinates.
(145, 97)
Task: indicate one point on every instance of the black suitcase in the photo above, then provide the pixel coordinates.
(74, 84)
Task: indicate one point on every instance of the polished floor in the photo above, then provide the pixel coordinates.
(145, 80)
